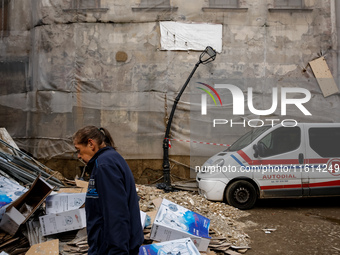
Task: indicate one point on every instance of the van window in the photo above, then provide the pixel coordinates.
(248, 138)
(280, 141)
(325, 141)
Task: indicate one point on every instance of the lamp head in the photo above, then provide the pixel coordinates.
(208, 55)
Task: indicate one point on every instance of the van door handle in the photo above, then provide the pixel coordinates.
(301, 158)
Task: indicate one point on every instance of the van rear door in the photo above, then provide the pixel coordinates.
(323, 158)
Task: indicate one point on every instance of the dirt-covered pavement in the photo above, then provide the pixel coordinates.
(302, 226)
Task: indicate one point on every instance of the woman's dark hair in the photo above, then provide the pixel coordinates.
(100, 135)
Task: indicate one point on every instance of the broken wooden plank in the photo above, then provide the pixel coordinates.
(231, 252)
(19, 251)
(82, 184)
(9, 242)
(324, 77)
(78, 240)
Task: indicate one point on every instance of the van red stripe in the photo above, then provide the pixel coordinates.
(267, 162)
(245, 157)
(293, 186)
(296, 186)
(325, 184)
(276, 162)
(317, 160)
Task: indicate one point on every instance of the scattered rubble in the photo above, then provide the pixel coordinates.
(226, 232)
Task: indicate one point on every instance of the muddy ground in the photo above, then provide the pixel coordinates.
(303, 226)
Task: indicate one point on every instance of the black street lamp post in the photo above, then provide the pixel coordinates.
(207, 56)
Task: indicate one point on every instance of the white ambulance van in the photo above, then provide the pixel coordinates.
(302, 160)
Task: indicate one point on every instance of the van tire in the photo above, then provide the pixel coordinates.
(241, 194)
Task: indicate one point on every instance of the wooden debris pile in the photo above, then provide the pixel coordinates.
(76, 246)
(18, 245)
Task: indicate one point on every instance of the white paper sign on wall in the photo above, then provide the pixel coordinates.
(190, 36)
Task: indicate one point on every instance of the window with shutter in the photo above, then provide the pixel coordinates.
(288, 3)
(223, 3)
(155, 3)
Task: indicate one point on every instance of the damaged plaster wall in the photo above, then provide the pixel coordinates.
(15, 47)
(104, 66)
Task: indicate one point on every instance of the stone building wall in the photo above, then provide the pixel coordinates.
(103, 65)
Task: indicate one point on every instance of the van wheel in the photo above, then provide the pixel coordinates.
(241, 194)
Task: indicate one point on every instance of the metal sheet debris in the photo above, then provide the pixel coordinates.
(22, 167)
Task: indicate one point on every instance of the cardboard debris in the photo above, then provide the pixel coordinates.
(175, 222)
(324, 77)
(82, 184)
(49, 247)
(226, 236)
(10, 190)
(81, 187)
(63, 202)
(143, 218)
(71, 190)
(157, 202)
(34, 197)
(209, 252)
(34, 231)
(179, 246)
(152, 215)
(62, 222)
(231, 252)
(78, 245)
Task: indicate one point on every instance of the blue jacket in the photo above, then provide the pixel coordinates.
(112, 208)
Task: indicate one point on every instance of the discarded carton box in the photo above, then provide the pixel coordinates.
(176, 222)
(179, 246)
(10, 190)
(63, 222)
(63, 202)
(20, 210)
